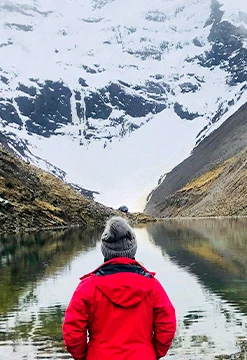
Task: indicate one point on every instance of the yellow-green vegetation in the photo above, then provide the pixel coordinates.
(32, 198)
(221, 191)
(139, 218)
(206, 179)
(47, 206)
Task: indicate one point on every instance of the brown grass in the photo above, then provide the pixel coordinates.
(206, 179)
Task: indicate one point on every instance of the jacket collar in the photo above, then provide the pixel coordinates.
(118, 260)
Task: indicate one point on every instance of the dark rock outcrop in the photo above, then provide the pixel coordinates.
(184, 114)
(227, 50)
(48, 110)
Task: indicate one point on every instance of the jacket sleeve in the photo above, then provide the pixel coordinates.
(164, 326)
(75, 323)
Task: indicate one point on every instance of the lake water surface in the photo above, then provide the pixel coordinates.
(201, 263)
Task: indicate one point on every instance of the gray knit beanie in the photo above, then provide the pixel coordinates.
(118, 239)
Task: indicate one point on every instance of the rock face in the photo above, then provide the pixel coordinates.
(48, 110)
(212, 181)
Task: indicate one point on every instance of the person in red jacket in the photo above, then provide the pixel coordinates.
(119, 311)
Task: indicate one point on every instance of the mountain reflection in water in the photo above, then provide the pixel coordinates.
(214, 250)
(201, 263)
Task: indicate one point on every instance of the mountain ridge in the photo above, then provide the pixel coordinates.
(84, 77)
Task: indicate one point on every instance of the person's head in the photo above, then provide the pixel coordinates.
(118, 239)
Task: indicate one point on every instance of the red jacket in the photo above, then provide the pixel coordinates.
(119, 312)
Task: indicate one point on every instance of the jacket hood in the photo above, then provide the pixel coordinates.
(125, 289)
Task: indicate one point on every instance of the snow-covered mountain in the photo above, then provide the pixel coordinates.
(112, 94)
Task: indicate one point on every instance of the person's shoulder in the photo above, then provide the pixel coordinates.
(86, 284)
(86, 279)
(157, 286)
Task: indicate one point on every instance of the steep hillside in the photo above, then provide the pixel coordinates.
(32, 198)
(213, 180)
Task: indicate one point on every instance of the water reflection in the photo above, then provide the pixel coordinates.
(26, 258)
(215, 250)
(30, 264)
(201, 263)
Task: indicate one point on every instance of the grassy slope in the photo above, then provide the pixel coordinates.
(221, 191)
(37, 199)
(225, 143)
